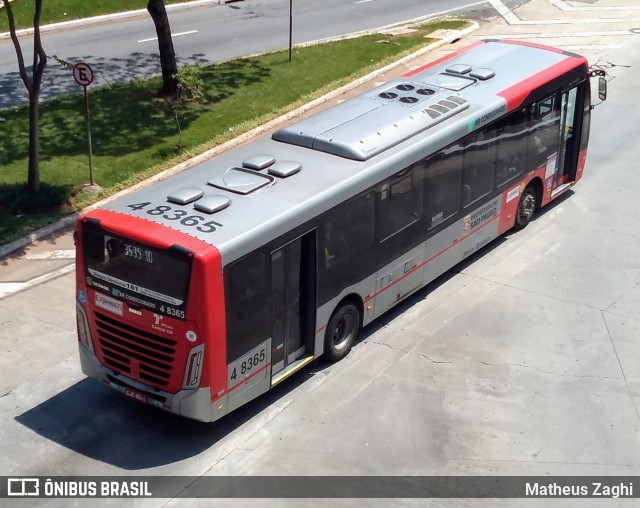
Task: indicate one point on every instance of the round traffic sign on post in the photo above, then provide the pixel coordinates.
(83, 74)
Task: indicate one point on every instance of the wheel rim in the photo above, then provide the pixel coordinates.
(342, 332)
(528, 206)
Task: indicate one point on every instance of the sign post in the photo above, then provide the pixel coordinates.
(290, 29)
(83, 74)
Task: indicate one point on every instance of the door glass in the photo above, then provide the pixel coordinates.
(279, 309)
(565, 157)
(569, 107)
(294, 300)
(293, 279)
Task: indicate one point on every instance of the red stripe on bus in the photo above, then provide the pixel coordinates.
(534, 45)
(516, 95)
(321, 329)
(421, 265)
(247, 378)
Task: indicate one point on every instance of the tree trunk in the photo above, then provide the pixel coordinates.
(168, 64)
(33, 174)
(32, 84)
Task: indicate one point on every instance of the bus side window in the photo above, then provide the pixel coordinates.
(348, 231)
(512, 146)
(247, 284)
(444, 172)
(480, 158)
(400, 205)
(545, 131)
(544, 107)
(248, 304)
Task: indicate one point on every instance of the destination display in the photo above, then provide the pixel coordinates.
(143, 276)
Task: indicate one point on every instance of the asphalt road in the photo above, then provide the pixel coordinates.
(127, 49)
(521, 361)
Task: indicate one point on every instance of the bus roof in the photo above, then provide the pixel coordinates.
(264, 188)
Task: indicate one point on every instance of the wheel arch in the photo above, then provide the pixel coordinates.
(356, 300)
(536, 183)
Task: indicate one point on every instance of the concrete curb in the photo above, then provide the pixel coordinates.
(198, 159)
(110, 17)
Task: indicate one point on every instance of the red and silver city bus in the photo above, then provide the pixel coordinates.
(204, 290)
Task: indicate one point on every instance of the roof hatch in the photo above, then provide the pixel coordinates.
(240, 181)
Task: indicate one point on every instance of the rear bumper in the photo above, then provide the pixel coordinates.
(195, 404)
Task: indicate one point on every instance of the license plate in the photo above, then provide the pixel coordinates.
(141, 397)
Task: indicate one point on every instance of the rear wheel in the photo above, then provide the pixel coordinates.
(341, 332)
(526, 207)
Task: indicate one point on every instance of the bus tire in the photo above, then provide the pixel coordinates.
(526, 208)
(342, 332)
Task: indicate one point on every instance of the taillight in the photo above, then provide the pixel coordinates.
(193, 370)
(84, 333)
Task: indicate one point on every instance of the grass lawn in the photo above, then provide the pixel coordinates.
(64, 10)
(134, 134)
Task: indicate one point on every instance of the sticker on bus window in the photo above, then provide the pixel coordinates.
(437, 219)
(107, 303)
(466, 224)
(551, 165)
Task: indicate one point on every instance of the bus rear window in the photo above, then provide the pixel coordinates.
(143, 276)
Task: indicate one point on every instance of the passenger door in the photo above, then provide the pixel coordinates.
(293, 272)
(567, 153)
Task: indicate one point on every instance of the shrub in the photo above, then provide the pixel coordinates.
(16, 199)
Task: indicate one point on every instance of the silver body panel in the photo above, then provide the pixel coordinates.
(325, 180)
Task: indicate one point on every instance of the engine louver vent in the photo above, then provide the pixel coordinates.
(136, 353)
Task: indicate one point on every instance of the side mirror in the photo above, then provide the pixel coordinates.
(602, 89)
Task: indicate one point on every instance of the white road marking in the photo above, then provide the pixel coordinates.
(590, 47)
(53, 254)
(9, 288)
(563, 34)
(172, 35)
(563, 6)
(512, 19)
(505, 12)
(363, 1)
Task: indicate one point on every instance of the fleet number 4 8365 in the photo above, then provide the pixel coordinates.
(249, 364)
(170, 311)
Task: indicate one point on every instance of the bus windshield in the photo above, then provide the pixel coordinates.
(144, 276)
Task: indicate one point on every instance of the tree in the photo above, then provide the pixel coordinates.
(32, 83)
(190, 88)
(168, 64)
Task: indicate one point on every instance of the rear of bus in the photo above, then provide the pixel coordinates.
(150, 313)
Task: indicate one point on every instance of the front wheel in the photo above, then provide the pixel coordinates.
(526, 208)
(342, 332)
